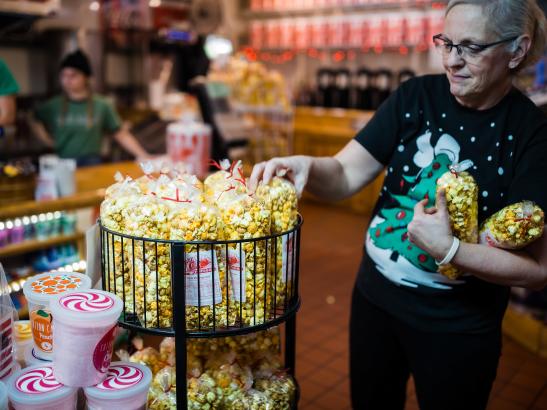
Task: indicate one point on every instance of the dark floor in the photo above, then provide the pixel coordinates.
(331, 246)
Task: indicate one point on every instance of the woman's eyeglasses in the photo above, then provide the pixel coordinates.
(466, 50)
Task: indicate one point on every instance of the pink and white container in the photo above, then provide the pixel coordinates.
(125, 387)
(35, 388)
(40, 290)
(189, 142)
(84, 324)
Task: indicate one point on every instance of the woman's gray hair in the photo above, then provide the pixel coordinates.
(512, 18)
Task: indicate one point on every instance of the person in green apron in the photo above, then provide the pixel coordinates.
(75, 122)
(8, 89)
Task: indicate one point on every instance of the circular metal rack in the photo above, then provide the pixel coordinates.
(204, 289)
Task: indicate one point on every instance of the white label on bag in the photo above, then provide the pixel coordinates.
(287, 243)
(199, 292)
(237, 273)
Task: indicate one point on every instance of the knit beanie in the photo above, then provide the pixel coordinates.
(77, 60)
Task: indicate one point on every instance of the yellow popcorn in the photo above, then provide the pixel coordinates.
(280, 195)
(513, 227)
(279, 388)
(462, 201)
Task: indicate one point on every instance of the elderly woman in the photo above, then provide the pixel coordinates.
(406, 318)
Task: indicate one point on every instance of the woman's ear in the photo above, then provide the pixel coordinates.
(522, 45)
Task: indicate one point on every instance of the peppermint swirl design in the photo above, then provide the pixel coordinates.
(121, 377)
(37, 381)
(87, 302)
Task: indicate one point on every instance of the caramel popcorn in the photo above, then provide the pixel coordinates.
(513, 227)
(149, 357)
(462, 201)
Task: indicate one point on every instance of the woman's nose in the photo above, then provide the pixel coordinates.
(454, 59)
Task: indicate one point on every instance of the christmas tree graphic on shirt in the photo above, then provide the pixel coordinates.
(387, 242)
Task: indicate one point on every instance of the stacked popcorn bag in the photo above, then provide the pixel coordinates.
(227, 284)
(242, 372)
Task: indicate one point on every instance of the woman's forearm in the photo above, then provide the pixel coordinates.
(503, 267)
(327, 179)
(130, 144)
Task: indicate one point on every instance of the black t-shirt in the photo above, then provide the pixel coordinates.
(417, 133)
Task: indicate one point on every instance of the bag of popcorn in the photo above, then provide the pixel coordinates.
(514, 226)
(280, 196)
(462, 201)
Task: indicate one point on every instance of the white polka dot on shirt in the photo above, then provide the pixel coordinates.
(485, 208)
(500, 171)
(473, 139)
(493, 124)
(401, 148)
(407, 115)
(484, 194)
(497, 144)
(443, 115)
(440, 130)
(489, 158)
(461, 128)
(406, 168)
(510, 138)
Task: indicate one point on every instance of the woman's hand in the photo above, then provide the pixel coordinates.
(430, 228)
(295, 168)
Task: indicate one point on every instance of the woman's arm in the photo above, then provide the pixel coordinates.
(124, 137)
(40, 131)
(330, 178)
(430, 231)
(7, 110)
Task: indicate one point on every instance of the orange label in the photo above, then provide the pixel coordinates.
(42, 334)
(57, 283)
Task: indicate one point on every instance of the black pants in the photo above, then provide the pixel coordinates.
(451, 371)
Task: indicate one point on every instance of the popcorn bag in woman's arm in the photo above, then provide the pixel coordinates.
(462, 194)
(514, 226)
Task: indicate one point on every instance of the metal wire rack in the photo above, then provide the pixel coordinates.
(204, 289)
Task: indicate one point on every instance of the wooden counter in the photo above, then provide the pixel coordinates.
(324, 132)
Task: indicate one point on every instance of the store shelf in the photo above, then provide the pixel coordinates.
(85, 199)
(310, 12)
(35, 245)
(39, 8)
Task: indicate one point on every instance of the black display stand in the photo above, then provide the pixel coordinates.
(118, 250)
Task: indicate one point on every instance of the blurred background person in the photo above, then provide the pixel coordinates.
(75, 122)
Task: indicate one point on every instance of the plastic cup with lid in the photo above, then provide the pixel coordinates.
(39, 291)
(125, 387)
(23, 338)
(32, 359)
(84, 324)
(36, 388)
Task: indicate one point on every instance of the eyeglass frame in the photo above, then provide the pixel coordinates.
(459, 47)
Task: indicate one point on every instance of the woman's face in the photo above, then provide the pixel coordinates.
(473, 79)
(72, 80)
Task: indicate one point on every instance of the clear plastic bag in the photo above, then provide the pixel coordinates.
(513, 227)
(462, 194)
